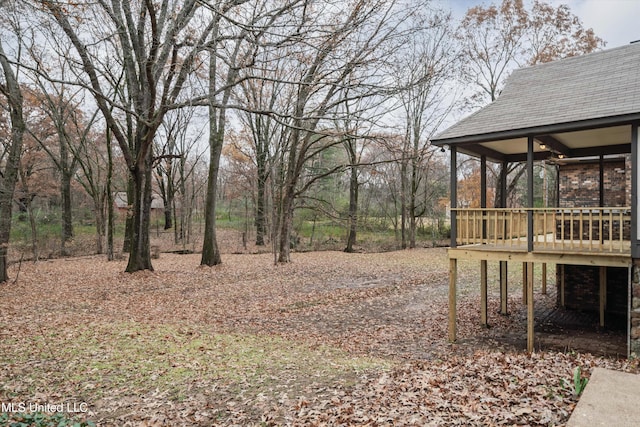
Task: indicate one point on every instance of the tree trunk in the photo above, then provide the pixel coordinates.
(28, 198)
(66, 175)
(413, 225)
(286, 225)
(109, 191)
(261, 219)
(413, 187)
(128, 222)
(217, 119)
(67, 216)
(168, 197)
(353, 208)
(100, 221)
(185, 207)
(7, 185)
(168, 215)
(9, 177)
(403, 203)
(140, 254)
(210, 252)
(177, 224)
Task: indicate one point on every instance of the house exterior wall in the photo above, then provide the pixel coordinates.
(582, 289)
(579, 186)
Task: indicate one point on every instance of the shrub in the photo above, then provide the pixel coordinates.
(39, 419)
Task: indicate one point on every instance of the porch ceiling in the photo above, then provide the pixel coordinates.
(580, 143)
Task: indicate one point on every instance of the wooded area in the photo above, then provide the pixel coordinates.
(280, 116)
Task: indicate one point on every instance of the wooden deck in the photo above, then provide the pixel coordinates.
(587, 236)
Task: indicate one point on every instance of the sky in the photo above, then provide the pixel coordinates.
(615, 21)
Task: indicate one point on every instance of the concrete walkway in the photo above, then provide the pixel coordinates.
(611, 398)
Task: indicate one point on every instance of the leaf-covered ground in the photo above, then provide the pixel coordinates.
(330, 339)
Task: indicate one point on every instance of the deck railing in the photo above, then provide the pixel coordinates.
(569, 229)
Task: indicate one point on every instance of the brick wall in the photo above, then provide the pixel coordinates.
(582, 288)
(580, 184)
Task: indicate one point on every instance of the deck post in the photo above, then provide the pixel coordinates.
(603, 294)
(530, 309)
(453, 276)
(525, 266)
(503, 264)
(634, 342)
(503, 288)
(483, 293)
(530, 194)
(635, 184)
(454, 196)
(483, 195)
(544, 278)
(562, 302)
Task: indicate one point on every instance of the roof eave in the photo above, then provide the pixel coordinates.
(595, 123)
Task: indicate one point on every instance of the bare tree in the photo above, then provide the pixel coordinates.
(177, 157)
(554, 33)
(158, 46)
(10, 89)
(424, 68)
(497, 39)
(91, 152)
(358, 131)
(491, 40)
(62, 103)
(234, 45)
(341, 43)
(264, 89)
(11, 142)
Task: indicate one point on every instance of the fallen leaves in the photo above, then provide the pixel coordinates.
(330, 339)
(491, 388)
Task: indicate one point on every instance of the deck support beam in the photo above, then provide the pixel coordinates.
(544, 278)
(483, 293)
(603, 294)
(530, 309)
(525, 266)
(503, 288)
(530, 194)
(453, 277)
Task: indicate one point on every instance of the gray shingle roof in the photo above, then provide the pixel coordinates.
(598, 85)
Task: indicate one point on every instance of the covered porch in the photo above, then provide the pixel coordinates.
(600, 236)
(596, 237)
(577, 108)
